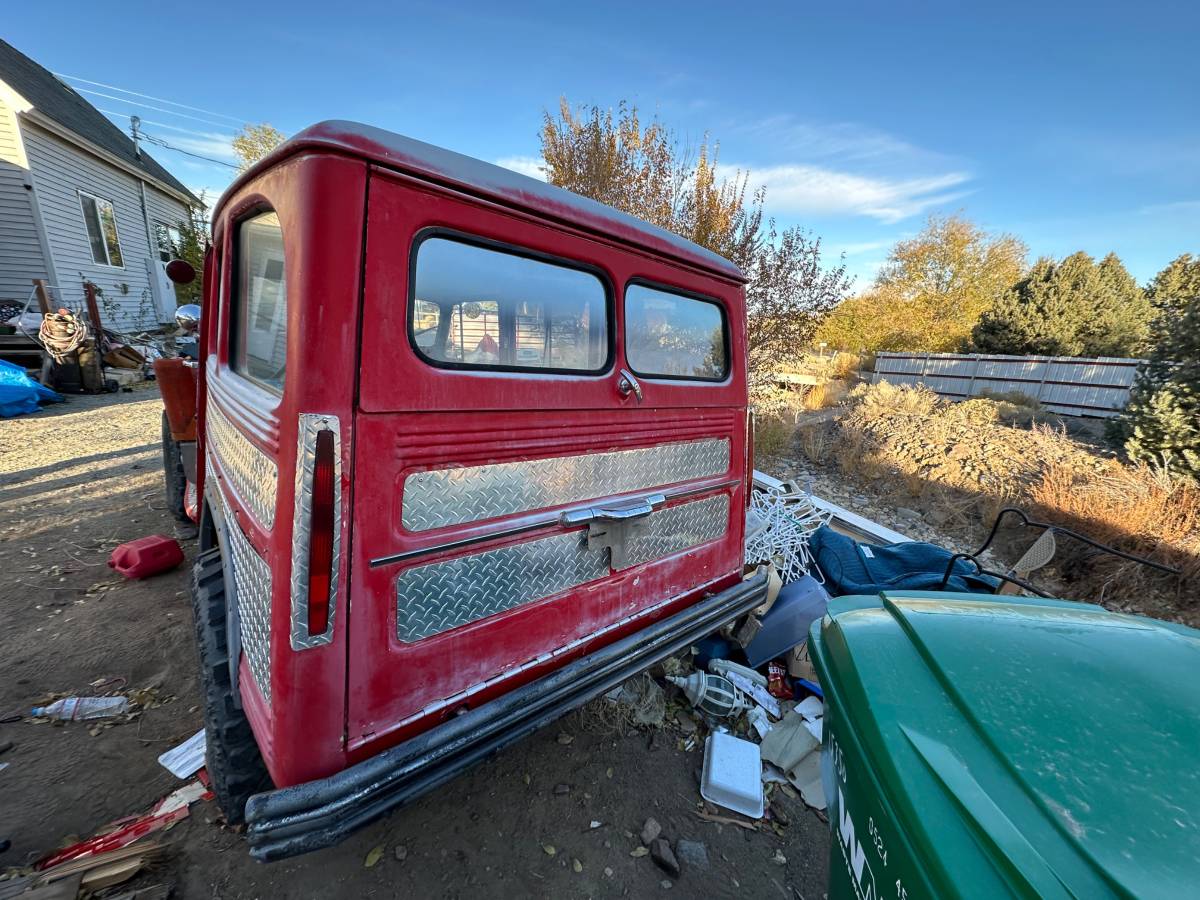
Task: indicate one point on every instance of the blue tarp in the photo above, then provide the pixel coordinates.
(20, 394)
(853, 568)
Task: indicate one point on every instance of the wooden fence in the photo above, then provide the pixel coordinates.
(1071, 386)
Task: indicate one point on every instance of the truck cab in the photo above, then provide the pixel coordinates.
(470, 450)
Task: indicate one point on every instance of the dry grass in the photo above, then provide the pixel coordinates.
(773, 435)
(964, 462)
(824, 395)
(1132, 508)
(844, 365)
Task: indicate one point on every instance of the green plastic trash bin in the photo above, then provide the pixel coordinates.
(993, 747)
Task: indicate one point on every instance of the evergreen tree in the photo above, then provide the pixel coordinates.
(1162, 422)
(1070, 308)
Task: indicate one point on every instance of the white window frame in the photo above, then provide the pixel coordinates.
(97, 200)
(168, 228)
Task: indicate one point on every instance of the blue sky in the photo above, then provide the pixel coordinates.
(1071, 125)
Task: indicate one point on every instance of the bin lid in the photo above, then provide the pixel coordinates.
(1051, 745)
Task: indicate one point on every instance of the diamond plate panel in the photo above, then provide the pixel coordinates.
(252, 589)
(443, 595)
(439, 596)
(671, 530)
(252, 472)
(444, 497)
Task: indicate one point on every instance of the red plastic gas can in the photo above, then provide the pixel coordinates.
(146, 556)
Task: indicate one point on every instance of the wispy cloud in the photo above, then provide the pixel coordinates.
(818, 191)
(526, 165)
(858, 249)
(1185, 207)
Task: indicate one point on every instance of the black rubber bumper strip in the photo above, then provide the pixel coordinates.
(316, 814)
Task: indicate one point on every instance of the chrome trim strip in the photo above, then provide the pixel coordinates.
(454, 496)
(540, 522)
(310, 425)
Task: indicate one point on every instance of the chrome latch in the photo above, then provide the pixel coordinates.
(614, 525)
(627, 385)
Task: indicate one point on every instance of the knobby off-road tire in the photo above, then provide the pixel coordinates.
(173, 478)
(234, 763)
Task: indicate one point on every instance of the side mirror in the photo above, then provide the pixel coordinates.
(180, 271)
(187, 317)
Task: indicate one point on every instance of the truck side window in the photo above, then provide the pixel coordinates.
(481, 307)
(259, 347)
(674, 336)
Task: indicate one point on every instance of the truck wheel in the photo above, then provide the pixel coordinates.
(173, 477)
(235, 766)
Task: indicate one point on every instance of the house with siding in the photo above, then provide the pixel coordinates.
(80, 202)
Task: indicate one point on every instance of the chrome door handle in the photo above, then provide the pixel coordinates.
(625, 512)
(627, 385)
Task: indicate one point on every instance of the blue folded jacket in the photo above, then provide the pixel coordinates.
(853, 568)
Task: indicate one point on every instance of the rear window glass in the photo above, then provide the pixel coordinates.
(480, 307)
(260, 314)
(674, 336)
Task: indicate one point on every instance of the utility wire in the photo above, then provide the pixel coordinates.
(203, 134)
(155, 108)
(161, 143)
(113, 87)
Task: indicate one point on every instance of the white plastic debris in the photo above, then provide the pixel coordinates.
(789, 521)
(732, 775)
(187, 758)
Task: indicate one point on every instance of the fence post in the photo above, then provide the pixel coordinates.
(974, 374)
(1045, 374)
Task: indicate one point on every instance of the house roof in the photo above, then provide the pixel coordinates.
(62, 105)
(491, 182)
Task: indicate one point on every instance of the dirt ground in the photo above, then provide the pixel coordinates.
(79, 478)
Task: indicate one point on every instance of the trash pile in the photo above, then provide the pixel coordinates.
(749, 694)
(121, 849)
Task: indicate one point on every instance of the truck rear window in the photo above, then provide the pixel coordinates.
(482, 307)
(674, 336)
(260, 303)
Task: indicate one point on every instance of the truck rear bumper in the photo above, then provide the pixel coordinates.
(316, 814)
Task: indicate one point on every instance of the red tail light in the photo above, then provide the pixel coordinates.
(320, 544)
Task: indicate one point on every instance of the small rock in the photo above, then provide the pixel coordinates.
(779, 859)
(401, 853)
(373, 857)
(608, 772)
(560, 789)
(595, 823)
(692, 853)
(576, 866)
(937, 517)
(548, 849)
(650, 830)
(608, 872)
(565, 738)
(664, 856)
(638, 852)
(905, 513)
(779, 813)
(665, 884)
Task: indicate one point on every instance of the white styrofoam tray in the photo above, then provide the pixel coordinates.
(732, 775)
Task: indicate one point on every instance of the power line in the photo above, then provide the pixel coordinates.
(161, 143)
(203, 134)
(113, 87)
(170, 112)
